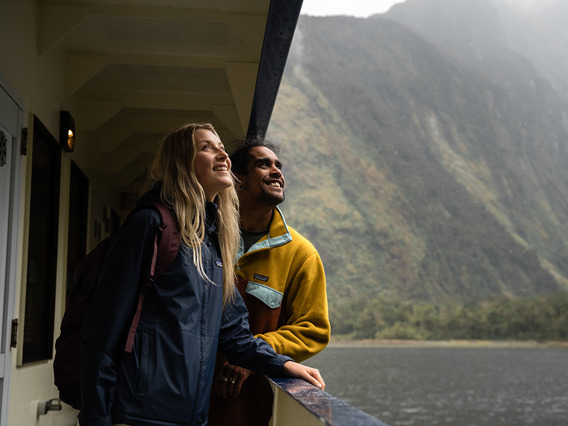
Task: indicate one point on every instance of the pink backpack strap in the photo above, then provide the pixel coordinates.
(166, 247)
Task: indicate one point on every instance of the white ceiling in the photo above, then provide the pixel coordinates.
(134, 69)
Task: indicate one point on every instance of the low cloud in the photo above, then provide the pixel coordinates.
(531, 5)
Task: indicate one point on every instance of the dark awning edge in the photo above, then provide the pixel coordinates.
(280, 27)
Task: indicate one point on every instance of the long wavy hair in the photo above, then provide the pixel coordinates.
(174, 165)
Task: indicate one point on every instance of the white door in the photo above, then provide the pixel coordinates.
(10, 169)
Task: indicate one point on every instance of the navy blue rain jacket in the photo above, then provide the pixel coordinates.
(167, 378)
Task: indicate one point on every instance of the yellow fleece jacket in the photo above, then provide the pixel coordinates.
(283, 277)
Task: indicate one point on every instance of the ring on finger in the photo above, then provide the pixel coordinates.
(224, 379)
(232, 381)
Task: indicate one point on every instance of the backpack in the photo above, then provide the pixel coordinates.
(66, 363)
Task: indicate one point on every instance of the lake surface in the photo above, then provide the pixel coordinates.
(450, 386)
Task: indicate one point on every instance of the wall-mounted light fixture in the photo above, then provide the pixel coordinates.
(66, 131)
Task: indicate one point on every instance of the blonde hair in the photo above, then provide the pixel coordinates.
(181, 191)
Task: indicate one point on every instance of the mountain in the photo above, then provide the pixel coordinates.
(492, 35)
(425, 156)
(540, 34)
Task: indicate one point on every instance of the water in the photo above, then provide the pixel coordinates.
(450, 386)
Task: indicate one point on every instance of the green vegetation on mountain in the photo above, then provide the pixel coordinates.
(417, 174)
(499, 318)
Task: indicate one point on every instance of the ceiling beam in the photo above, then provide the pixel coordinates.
(93, 113)
(242, 79)
(80, 69)
(55, 22)
(230, 118)
(248, 27)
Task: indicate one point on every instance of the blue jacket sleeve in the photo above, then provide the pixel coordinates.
(240, 346)
(126, 265)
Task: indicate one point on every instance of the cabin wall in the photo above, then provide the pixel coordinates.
(38, 80)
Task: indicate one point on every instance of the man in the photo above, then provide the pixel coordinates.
(282, 281)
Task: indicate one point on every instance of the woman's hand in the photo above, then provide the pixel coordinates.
(299, 371)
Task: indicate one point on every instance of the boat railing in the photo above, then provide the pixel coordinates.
(297, 403)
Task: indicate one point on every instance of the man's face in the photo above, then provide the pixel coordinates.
(264, 183)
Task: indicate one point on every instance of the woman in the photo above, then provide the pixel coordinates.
(191, 309)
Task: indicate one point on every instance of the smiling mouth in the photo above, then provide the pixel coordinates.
(221, 169)
(275, 184)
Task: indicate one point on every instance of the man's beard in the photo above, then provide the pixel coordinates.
(271, 199)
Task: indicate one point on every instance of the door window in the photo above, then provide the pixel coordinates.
(42, 246)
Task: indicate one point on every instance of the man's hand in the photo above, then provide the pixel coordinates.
(299, 371)
(229, 379)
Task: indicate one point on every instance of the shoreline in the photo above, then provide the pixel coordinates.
(399, 343)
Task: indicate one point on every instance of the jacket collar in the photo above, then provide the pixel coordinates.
(211, 217)
(278, 235)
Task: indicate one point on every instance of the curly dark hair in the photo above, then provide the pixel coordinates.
(241, 158)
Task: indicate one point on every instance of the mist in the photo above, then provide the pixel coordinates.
(531, 5)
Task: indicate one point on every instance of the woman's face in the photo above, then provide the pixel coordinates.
(212, 164)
